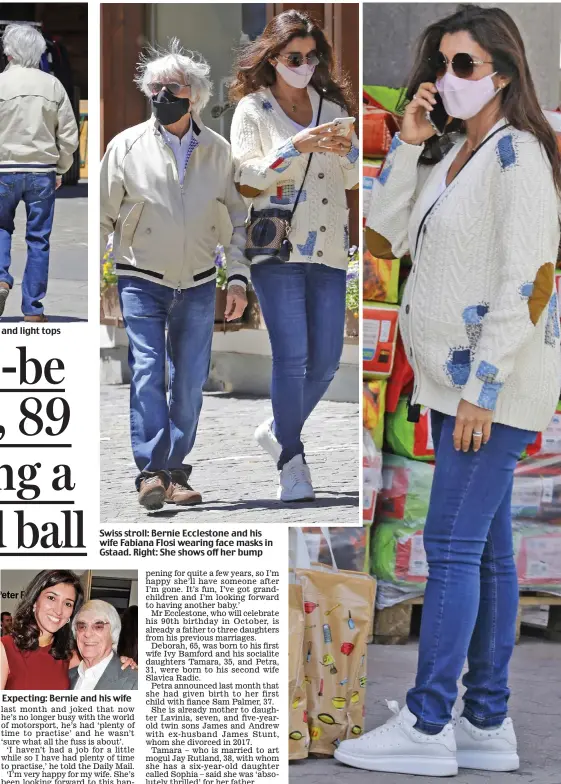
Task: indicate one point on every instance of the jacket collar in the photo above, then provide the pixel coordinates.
(200, 131)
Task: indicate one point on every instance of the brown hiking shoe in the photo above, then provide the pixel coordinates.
(152, 491)
(180, 491)
(40, 319)
(4, 291)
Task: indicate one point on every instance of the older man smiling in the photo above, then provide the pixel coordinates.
(97, 627)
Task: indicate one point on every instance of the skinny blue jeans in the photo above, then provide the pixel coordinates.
(164, 419)
(304, 309)
(37, 191)
(471, 598)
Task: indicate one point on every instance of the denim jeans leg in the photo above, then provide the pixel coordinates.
(493, 639)
(10, 195)
(326, 309)
(39, 198)
(281, 290)
(189, 343)
(468, 489)
(145, 308)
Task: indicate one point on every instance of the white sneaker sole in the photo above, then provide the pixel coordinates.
(497, 761)
(295, 495)
(420, 766)
(262, 437)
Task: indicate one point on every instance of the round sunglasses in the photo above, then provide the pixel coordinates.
(463, 64)
(174, 87)
(296, 59)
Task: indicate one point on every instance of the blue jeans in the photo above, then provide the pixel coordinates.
(38, 194)
(164, 421)
(471, 599)
(304, 309)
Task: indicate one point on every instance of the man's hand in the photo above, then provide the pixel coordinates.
(236, 303)
(58, 181)
(473, 424)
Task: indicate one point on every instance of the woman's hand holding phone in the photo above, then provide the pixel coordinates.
(322, 138)
(415, 128)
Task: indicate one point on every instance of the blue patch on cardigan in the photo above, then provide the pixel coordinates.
(267, 105)
(458, 366)
(474, 314)
(288, 150)
(396, 142)
(526, 290)
(491, 387)
(552, 325)
(352, 155)
(286, 193)
(506, 151)
(384, 174)
(308, 248)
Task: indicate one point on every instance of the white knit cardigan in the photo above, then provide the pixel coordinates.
(479, 317)
(269, 170)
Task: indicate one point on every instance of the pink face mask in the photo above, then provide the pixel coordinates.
(296, 77)
(464, 98)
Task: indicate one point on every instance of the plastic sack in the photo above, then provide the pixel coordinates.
(401, 380)
(538, 556)
(379, 329)
(389, 594)
(382, 97)
(298, 735)
(405, 493)
(410, 439)
(380, 280)
(371, 476)
(536, 491)
(398, 554)
(370, 171)
(378, 129)
(351, 547)
(373, 408)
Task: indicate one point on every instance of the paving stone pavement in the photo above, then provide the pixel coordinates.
(237, 479)
(67, 293)
(535, 707)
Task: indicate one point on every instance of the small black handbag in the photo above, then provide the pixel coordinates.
(268, 230)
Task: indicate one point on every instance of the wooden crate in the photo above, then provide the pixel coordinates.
(397, 625)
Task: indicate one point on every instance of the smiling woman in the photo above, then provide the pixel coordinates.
(37, 652)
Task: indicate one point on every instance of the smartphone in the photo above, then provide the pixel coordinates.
(438, 118)
(344, 124)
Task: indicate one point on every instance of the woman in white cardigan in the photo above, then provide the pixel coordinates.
(288, 100)
(480, 324)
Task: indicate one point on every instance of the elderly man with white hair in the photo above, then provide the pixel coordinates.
(168, 196)
(97, 627)
(38, 137)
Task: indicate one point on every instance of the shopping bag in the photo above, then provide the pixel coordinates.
(378, 129)
(298, 733)
(339, 607)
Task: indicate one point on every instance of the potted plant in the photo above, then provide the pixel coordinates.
(353, 294)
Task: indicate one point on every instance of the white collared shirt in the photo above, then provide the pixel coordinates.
(181, 148)
(88, 678)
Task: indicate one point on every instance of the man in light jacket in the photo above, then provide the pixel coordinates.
(38, 137)
(168, 197)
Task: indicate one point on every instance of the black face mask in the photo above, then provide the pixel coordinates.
(169, 109)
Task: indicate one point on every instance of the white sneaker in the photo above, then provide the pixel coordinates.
(295, 481)
(491, 749)
(397, 747)
(267, 440)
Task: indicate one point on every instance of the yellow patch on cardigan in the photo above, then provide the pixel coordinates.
(378, 245)
(541, 291)
(248, 191)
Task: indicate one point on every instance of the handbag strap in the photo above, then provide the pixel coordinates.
(308, 164)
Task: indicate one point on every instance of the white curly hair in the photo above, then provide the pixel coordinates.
(175, 64)
(24, 44)
(102, 611)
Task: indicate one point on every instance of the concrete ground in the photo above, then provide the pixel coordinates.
(67, 293)
(237, 479)
(535, 707)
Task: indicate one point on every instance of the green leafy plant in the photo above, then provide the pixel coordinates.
(353, 281)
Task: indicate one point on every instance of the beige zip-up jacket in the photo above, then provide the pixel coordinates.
(38, 131)
(163, 231)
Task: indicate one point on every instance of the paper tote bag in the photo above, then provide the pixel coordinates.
(298, 734)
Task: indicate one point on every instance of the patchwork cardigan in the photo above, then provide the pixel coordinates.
(479, 317)
(269, 173)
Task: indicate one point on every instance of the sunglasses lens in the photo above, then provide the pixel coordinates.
(295, 60)
(313, 60)
(99, 626)
(462, 64)
(155, 87)
(437, 63)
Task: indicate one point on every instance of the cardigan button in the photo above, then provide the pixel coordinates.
(321, 175)
(320, 253)
(407, 309)
(322, 228)
(148, 231)
(325, 201)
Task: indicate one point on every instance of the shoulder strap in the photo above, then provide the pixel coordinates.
(309, 162)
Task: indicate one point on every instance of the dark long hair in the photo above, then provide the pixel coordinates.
(128, 638)
(253, 70)
(495, 31)
(25, 630)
